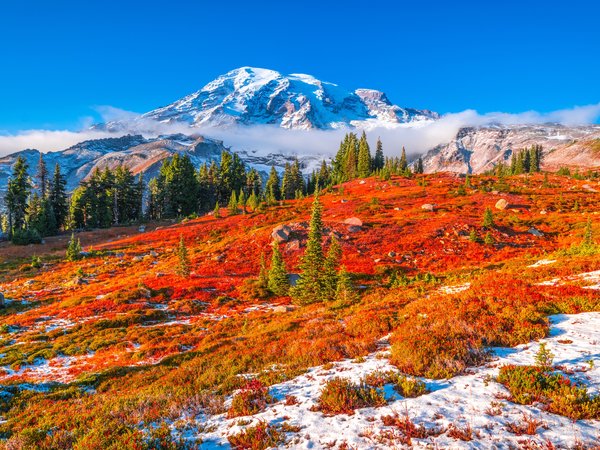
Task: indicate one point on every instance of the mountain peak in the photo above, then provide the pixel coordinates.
(256, 96)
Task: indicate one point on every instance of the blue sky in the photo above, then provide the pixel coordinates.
(62, 59)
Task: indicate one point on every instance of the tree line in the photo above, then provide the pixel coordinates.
(39, 206)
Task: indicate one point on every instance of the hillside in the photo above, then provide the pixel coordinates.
(116, 350)
(476, 150)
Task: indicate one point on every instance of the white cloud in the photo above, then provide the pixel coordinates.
(270, 139)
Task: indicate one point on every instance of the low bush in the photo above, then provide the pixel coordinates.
(341, 396)
(258, 437)
(251, 399)
(405, 386)
(528, 384)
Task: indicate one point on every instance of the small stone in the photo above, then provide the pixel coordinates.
(137, 259)
(142, 228)
(392, 254)
(535, 232)
(428, 207)
(543, 212)
(501, 204)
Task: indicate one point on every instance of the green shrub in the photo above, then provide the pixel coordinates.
(251, 399)
(341, 396)
(26, 237)
(405, 386)
(258, 437)
(528, 384)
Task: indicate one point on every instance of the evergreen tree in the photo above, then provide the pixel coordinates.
(278, 282)
(242, 201)
(263, 273)
(330, 267)
(308, 289)
(232, 206)
(345, 293)
(73, 249)
(272, 188)
(489, 239)
(17, 193)
(419, 166)
(253, 201)
(488, 218)
(364, 157)
(42, 176)
(403, 164)
(216, 211)
(183, 261)
(378, 160)
(58, 198)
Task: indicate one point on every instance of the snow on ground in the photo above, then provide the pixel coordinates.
(587, 277)
(543, 262)
(472, 400)
(455, 289)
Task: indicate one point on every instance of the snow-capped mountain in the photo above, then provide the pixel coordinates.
(475, 150)
(253, 96)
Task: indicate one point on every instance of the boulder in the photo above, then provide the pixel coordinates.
(392, 254)
(428, 207)
(543, 212)
(283, 308)
(354, 221)
(137, 258)
(281, 233)
(501, 204)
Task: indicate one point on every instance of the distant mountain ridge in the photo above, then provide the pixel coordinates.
(248, 96)
(254, 96)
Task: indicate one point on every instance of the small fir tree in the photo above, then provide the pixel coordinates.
(278, 282)
(488, 218)
(183, 261)
(216, 210)
(330, 267)
(232, 207)
(263, 273)
(489, 239)
(345, 293)
(73, 249)
(308, 289)
(242, 201)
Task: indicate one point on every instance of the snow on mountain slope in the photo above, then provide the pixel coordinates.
(252, 96)
(473, 403)
(476, 150)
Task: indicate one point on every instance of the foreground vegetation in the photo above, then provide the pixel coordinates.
(134, 340)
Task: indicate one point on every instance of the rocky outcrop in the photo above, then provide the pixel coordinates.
(476, 150)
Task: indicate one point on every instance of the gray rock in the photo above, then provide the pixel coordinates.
(428, 207)
(281, 233)
(535, 232)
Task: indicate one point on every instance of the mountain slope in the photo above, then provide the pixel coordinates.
(253, 96)
(475, 150)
